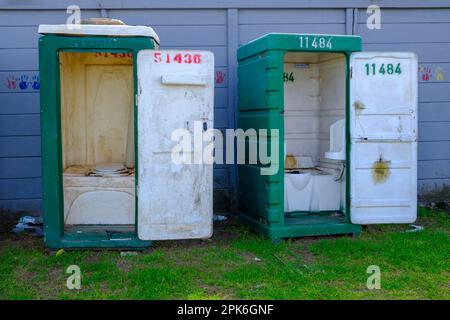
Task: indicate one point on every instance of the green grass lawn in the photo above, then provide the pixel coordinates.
(237, 263)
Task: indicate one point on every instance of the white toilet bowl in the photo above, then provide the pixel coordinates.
(105, 197)
(299, 180)
(297, 192)
(326, 193)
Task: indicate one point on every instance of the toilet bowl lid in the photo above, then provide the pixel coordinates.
(110, 168)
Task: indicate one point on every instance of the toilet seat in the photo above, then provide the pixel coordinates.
(313, 171)
(109, 167)
(110, 170)
(101, 170)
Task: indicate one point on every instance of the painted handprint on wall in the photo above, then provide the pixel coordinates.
(22, 81)
(35, 82)
(425, 73)
(220, 77)
(10, 82)
(23, 84)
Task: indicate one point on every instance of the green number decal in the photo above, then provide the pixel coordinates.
(315, 42)
(288, 77)
(390, 68)
(367, 69)
(371, 69)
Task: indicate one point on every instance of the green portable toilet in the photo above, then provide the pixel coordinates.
(344, 127)
(110, 100)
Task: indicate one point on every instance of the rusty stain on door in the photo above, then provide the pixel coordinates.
(381, 170)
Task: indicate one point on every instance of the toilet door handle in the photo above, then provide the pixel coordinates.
(184, 79)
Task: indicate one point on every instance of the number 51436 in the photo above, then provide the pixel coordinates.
(177, 57)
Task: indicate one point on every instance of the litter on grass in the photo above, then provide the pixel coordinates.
(415, 228)
(31, 225)
(128, 253)
(218, 217)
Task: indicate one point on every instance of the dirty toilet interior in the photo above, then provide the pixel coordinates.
(97, 128)
(314, 135)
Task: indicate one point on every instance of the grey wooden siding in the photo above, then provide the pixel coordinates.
(426, 32)
(254, 23)
(220, 28)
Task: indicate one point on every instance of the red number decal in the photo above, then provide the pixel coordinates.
(157, 57)
(178, 58)
(197, 58)
(188, 58)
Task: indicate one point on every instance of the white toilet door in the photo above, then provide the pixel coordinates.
(175, 96)
(383, 128)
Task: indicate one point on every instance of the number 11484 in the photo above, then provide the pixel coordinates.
(382, 69)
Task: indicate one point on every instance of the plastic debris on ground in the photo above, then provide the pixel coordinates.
(415, 228)
(218, 217)
(30, 225)
(128, 253)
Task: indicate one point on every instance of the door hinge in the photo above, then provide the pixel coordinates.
(351, 72)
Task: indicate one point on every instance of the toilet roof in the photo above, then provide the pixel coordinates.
(300, 42)
(99, 30)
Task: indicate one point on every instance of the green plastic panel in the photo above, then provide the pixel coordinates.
(311, 226)
(300, 42)
(261, 106)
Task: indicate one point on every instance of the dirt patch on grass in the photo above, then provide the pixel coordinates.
(194, 243)
(224, 232)
(125, 265)
(93, 257)
(23, 241)
(24, 275)
(216, 292)
(54, 273)
(55, 284)
(301, 247)
(308, 257)
(250, 257)
(34, 282)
